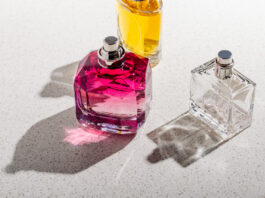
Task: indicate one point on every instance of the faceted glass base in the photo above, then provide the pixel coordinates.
(110, 124)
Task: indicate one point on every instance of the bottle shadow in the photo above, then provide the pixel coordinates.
(185, 139)
(61, 82)
(56, 145)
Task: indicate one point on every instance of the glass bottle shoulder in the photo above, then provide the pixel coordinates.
(131, 64)
(90, 73)
(205, 75)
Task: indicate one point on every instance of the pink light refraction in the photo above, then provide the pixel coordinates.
(80, 136)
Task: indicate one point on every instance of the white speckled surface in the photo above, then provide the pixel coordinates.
(40, 43)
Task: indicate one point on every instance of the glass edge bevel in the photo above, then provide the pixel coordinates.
(244, 77)
(202, 67)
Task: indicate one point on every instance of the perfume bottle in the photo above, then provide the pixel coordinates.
(113, 89)
(139, 26)
(221, 96)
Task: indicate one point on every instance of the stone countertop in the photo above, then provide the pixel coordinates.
(42, 152)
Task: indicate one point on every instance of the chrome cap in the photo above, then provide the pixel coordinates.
(224, 57)
(111, 43)
(224, 65)
(111, 52)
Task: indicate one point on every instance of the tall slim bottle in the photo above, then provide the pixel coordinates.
(139, 27)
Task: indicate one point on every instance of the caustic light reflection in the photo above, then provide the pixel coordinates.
(80, 136)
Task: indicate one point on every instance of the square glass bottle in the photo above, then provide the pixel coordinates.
(221, 96)
(139, 27)
(113, 89)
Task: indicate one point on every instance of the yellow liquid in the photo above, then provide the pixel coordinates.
(139, 25)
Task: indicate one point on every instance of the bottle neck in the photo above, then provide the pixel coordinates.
(111, 65)
(112, 59)
(224, 71)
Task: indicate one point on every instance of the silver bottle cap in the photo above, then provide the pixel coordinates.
(224, 64)
(224, 57)
(111, 43)
(111, 52)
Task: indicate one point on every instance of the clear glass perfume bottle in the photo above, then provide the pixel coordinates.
(139, 27)
(221, 96)
(113, 89)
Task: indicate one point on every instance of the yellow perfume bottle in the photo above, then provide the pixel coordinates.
(139, 27)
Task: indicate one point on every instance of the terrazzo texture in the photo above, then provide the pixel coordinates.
(40, 45)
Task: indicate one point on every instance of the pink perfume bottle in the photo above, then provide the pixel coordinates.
(113, 89)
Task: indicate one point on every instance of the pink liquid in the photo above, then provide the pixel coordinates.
(113, 100)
